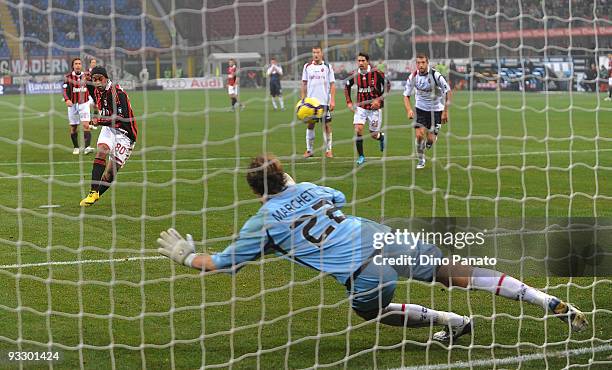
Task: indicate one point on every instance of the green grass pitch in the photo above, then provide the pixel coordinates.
(506, 154)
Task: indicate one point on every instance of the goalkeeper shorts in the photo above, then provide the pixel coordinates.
(373, 288)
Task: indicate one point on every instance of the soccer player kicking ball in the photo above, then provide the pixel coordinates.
(304, 223)
(76, 96)
(371, 87)
(117, 136)
(433, 96)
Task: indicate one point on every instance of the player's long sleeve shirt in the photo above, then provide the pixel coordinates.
(304, 224)
(115, 109)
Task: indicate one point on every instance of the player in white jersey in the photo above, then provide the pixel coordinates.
(305, 224)
(318, 82)
(433, 96)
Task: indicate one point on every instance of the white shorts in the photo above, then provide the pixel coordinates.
(78, 113)
(374, 117)
(119, 144)
(232, 90)
(610, 81)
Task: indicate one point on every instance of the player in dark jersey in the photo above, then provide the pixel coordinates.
(117, 137)
(274, 73)
(371, 87)
(76, 97)
(232, 84)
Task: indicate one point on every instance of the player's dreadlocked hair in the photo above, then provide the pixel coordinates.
(265, 175)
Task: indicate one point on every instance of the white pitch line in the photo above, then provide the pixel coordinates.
(29, 115)
(285, 158)
(9, 177)
(512, 359)
(131, 161)
(79, 262)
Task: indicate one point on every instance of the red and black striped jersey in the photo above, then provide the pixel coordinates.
(232, 72)
(115, 109)
(75, 87)
(370, 85)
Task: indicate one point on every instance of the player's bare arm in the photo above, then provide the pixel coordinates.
(304, 89)
(408, 107)
(332, 100)
(447, 103)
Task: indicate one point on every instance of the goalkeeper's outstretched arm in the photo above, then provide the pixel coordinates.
(182, 251)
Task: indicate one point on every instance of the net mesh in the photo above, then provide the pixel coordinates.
(89, 284)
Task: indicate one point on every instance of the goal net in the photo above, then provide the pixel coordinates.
(524, 162)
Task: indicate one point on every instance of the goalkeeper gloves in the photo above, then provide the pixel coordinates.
(174, 246)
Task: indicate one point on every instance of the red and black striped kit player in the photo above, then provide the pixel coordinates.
(117, 137)
(76, 96)
(371, 88)
(232, 84)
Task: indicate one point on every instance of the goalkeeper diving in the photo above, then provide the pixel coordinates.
(304, 223)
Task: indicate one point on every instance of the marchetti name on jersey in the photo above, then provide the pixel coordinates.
(301, 200)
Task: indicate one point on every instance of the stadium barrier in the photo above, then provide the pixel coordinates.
(190, 83)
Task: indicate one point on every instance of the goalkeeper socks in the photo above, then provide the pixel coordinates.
(507, 286)
(310, 136)
(87, 136)
(96, 173)
(75, 139)
(359, 144)
(414, 315)
(274, 103)
(327, 136)
(282, 103)
(234, 101)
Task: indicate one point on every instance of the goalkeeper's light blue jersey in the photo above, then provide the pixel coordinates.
(304, 224)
